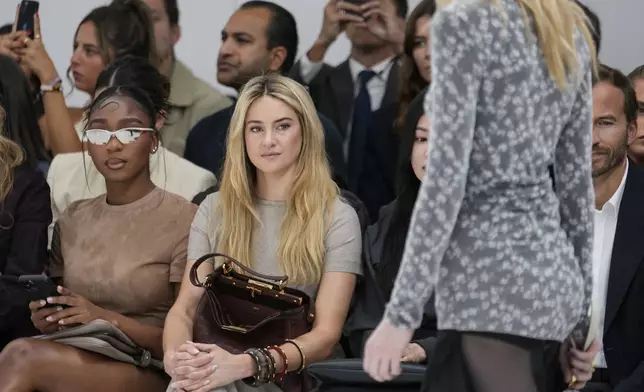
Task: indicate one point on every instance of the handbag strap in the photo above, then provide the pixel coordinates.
(194, 276)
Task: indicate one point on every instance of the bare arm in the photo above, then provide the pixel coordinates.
(180, 319)
(331, 308)
(144, 335)
(60, 135)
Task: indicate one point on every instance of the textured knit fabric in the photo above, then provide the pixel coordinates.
(505, 252)
(125, 258)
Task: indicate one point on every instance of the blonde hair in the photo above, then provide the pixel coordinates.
(555, 22)
(310, 203)
(11, 156)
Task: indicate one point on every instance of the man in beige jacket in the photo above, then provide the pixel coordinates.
(191, 99)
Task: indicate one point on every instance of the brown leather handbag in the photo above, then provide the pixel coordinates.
(238, 311)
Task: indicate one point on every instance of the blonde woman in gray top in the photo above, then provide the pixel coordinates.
(508, 256)
(279, 212)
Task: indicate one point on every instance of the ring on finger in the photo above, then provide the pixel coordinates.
(37, 36)
(26, 40)
(573, 381)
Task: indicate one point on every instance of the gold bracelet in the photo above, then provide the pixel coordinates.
(299, 348)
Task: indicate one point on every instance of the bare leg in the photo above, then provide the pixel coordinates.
(29, 365)
(496, 365)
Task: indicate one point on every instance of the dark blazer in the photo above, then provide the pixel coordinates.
(206, 144)
(24, 217)
(332, 91)
(624, 318)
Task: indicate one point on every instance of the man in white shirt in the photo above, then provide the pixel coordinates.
(619, 236)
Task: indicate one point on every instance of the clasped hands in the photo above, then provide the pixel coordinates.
(196, 367)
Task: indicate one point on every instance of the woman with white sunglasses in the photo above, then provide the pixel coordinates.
(119, 258)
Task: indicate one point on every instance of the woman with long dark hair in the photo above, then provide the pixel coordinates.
(378, 184)
(21, 115)
(415, 70)
(510, 258)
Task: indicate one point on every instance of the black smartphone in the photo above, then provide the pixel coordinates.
(26, 12)
(39, 287)
(358, 3)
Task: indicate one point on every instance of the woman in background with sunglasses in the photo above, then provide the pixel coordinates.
(120, 256)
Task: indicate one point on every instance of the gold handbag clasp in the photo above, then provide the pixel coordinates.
(254, 291)
(226, 268)
(234, 328)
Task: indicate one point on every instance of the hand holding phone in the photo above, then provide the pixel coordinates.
(25, 16)
(39, 287)
(337, 14)
(356, 3)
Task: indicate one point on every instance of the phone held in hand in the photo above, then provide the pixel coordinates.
(357, 3)
(39, 287)
(26, 13)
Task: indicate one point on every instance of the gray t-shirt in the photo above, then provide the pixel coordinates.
(343, 242)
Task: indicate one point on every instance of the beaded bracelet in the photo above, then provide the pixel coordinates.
(272, 365)
(262, 368)
(282, 354)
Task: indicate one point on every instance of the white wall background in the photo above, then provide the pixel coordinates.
(202, 20)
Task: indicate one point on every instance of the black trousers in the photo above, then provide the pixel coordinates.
(483, 362)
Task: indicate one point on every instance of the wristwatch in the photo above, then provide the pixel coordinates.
(55, 85)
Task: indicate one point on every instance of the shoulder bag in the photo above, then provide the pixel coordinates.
(246, 310)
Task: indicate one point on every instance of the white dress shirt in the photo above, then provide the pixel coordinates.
(605, 225)
(376, 87)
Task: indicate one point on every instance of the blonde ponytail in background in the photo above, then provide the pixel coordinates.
(555, 22)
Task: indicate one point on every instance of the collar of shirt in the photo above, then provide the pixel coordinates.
(616, 199)
(381, 69)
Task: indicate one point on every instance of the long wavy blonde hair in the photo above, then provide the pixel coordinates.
(311, 199)
(11, 156)
(555, 22)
